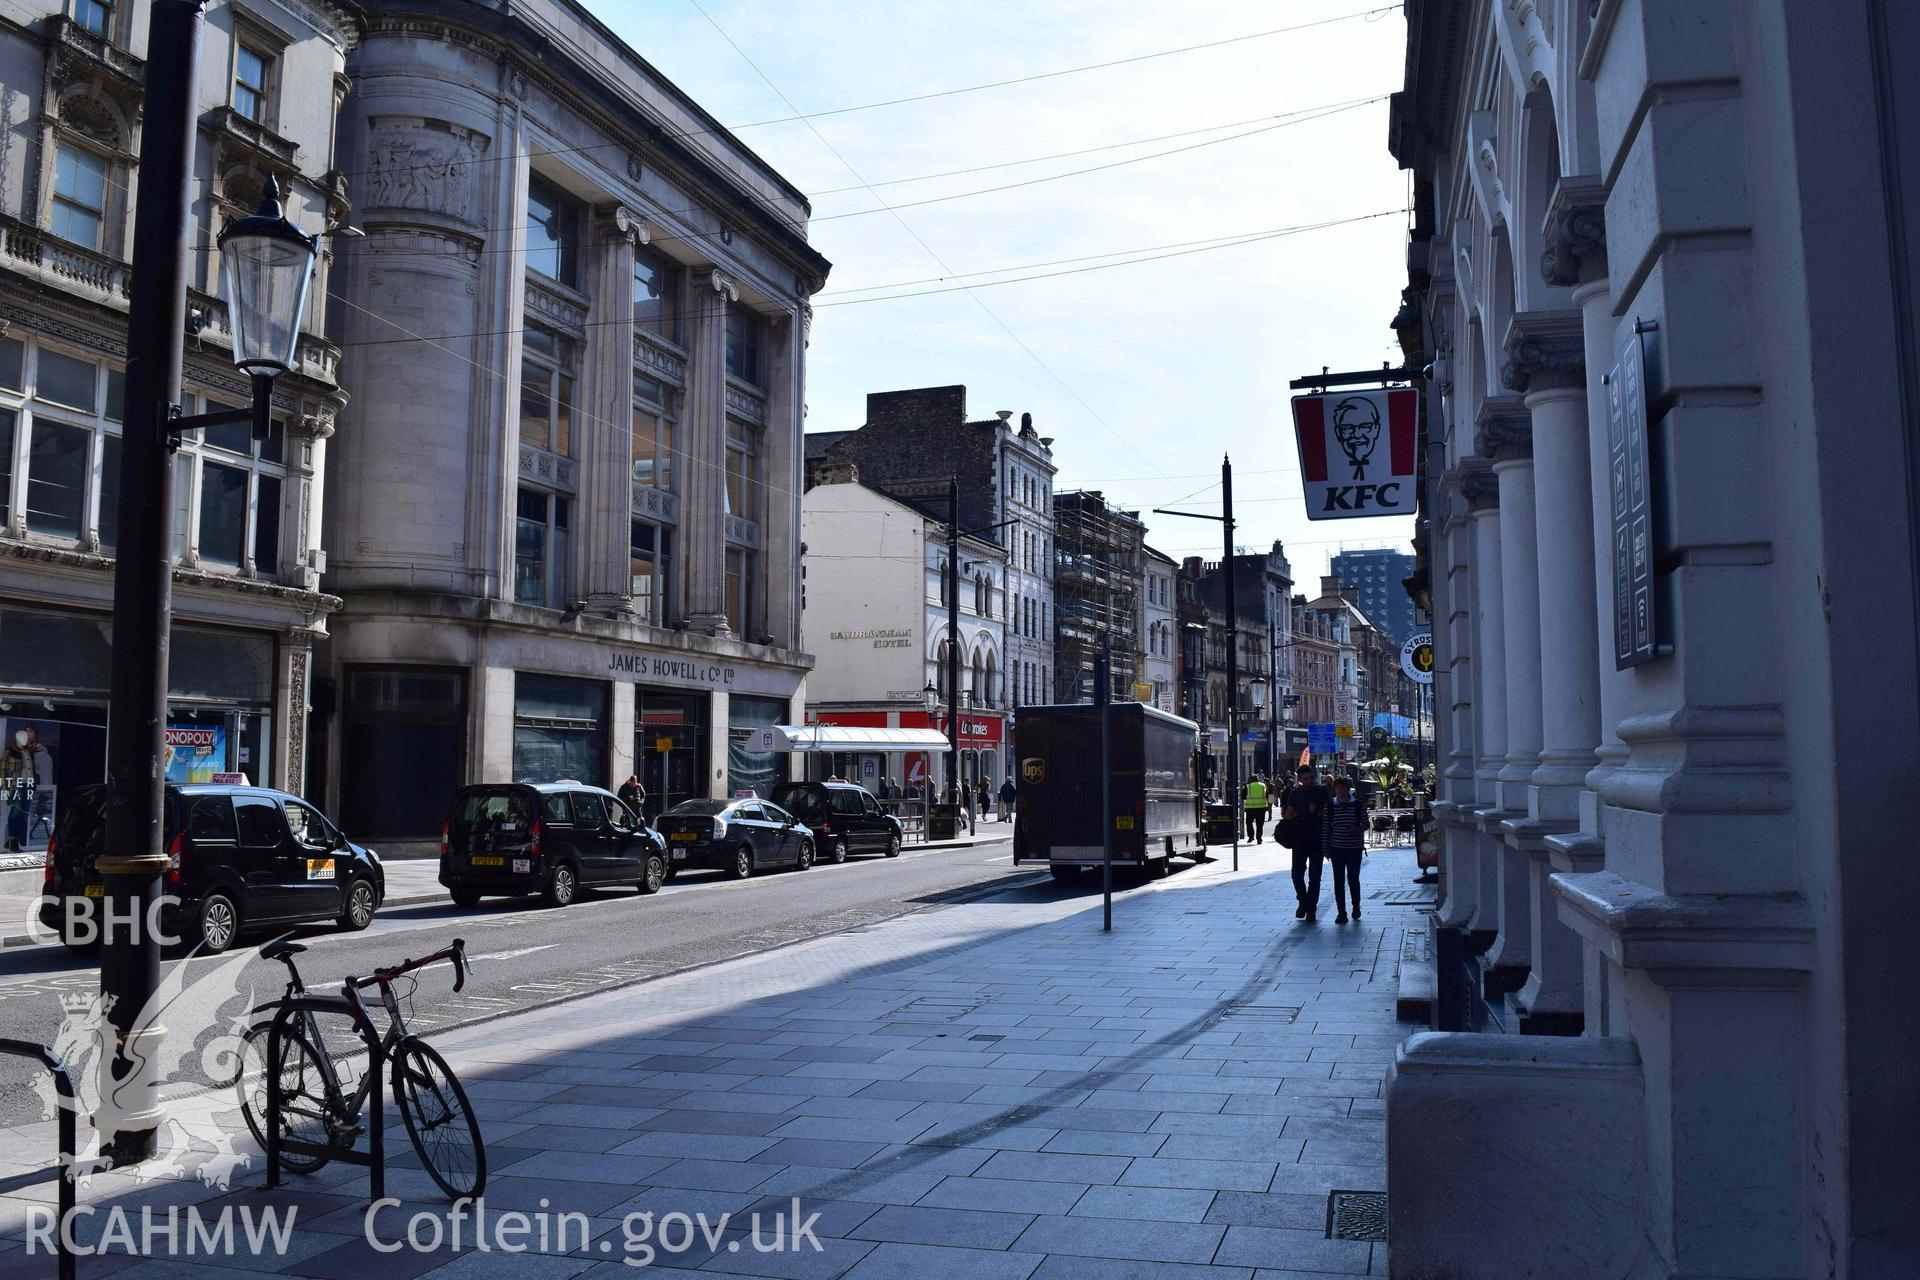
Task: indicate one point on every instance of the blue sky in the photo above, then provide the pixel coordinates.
(1145, 374)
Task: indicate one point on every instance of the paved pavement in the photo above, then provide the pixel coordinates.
(994, 1089)
(527, 955)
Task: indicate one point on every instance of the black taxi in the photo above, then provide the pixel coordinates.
(546, 838)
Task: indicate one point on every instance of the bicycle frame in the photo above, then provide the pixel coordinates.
(302, 1005)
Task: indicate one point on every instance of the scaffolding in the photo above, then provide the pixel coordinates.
(1098, 563)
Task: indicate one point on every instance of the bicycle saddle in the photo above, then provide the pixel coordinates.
(281, 949)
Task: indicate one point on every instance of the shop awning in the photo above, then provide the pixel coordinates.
(840, 737)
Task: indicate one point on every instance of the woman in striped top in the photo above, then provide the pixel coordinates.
(1346, 840)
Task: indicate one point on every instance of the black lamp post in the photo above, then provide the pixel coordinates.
(269, 265)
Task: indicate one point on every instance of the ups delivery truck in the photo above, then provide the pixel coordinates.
(1057, 774)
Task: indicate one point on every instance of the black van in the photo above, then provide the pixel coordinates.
(238, 857)
(549, 838)
(844, 818)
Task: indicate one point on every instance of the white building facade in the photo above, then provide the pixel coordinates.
(568, 528)
(1663, 273)
(877, 621)
(247, 598)
(1159, 632)
(1024, 466)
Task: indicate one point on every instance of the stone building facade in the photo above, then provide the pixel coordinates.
(912, 444)
(567, 519)
(1159, 631)
(247, 597)
(1662, 276)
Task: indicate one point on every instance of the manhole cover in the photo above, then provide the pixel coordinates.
(1357, 1215)
(984, 1036)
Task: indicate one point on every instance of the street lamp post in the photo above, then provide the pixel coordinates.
(269, 265)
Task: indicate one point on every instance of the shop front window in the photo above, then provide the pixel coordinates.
(402, 748)
(559, 729)
(748, 769)
(670, 746)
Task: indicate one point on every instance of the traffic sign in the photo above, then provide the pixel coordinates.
(1320, 738)
(1416, 657)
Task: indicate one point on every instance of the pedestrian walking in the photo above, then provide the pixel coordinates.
(1255, 804)
(1008, 794)
(1346, 841)
(980, 796)
(1305, 808)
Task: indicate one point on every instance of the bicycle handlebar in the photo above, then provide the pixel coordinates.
(457, 953)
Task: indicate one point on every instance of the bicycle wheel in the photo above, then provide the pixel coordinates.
(439, 1119)
(303, 1094)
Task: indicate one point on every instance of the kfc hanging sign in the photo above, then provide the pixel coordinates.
(1357, 452)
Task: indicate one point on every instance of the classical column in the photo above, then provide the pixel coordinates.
(1503, 434)
(1546, 364)
(1482, 492)
(703, 529)
(607, 427)
(783, 449)
(1454, 637)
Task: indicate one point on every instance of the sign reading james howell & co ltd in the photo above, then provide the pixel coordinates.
(654, 666)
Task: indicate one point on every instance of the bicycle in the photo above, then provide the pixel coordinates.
(315, 1108)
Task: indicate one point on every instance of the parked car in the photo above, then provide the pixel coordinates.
(739, 836)
(238, 858)
(549, 838)
(844, 818)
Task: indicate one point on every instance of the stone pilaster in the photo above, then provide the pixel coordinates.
(1459, 839)
(1546, 363)
(1482, 492)
(606, 447)
(783, 462)
(1503, 434)
(287, 769)
(703, 530)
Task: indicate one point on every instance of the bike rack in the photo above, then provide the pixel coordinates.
(373, 1159)
(63, 1086)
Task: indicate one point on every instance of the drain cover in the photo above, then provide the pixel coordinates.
(1357, 1215)
(984, 1036)
(1263, 1012)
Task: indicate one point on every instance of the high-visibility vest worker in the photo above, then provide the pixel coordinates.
(1256, 794)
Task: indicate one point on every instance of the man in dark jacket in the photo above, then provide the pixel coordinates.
(1306, 810)
(634, 796)
(1345, 833)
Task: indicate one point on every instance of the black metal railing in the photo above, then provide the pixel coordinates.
(65, 1107)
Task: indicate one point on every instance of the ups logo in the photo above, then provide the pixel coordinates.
(1033, 769)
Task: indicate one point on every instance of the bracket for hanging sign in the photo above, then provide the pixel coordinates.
(1386, 375)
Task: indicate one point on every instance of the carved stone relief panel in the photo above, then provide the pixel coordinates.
(428, 165)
